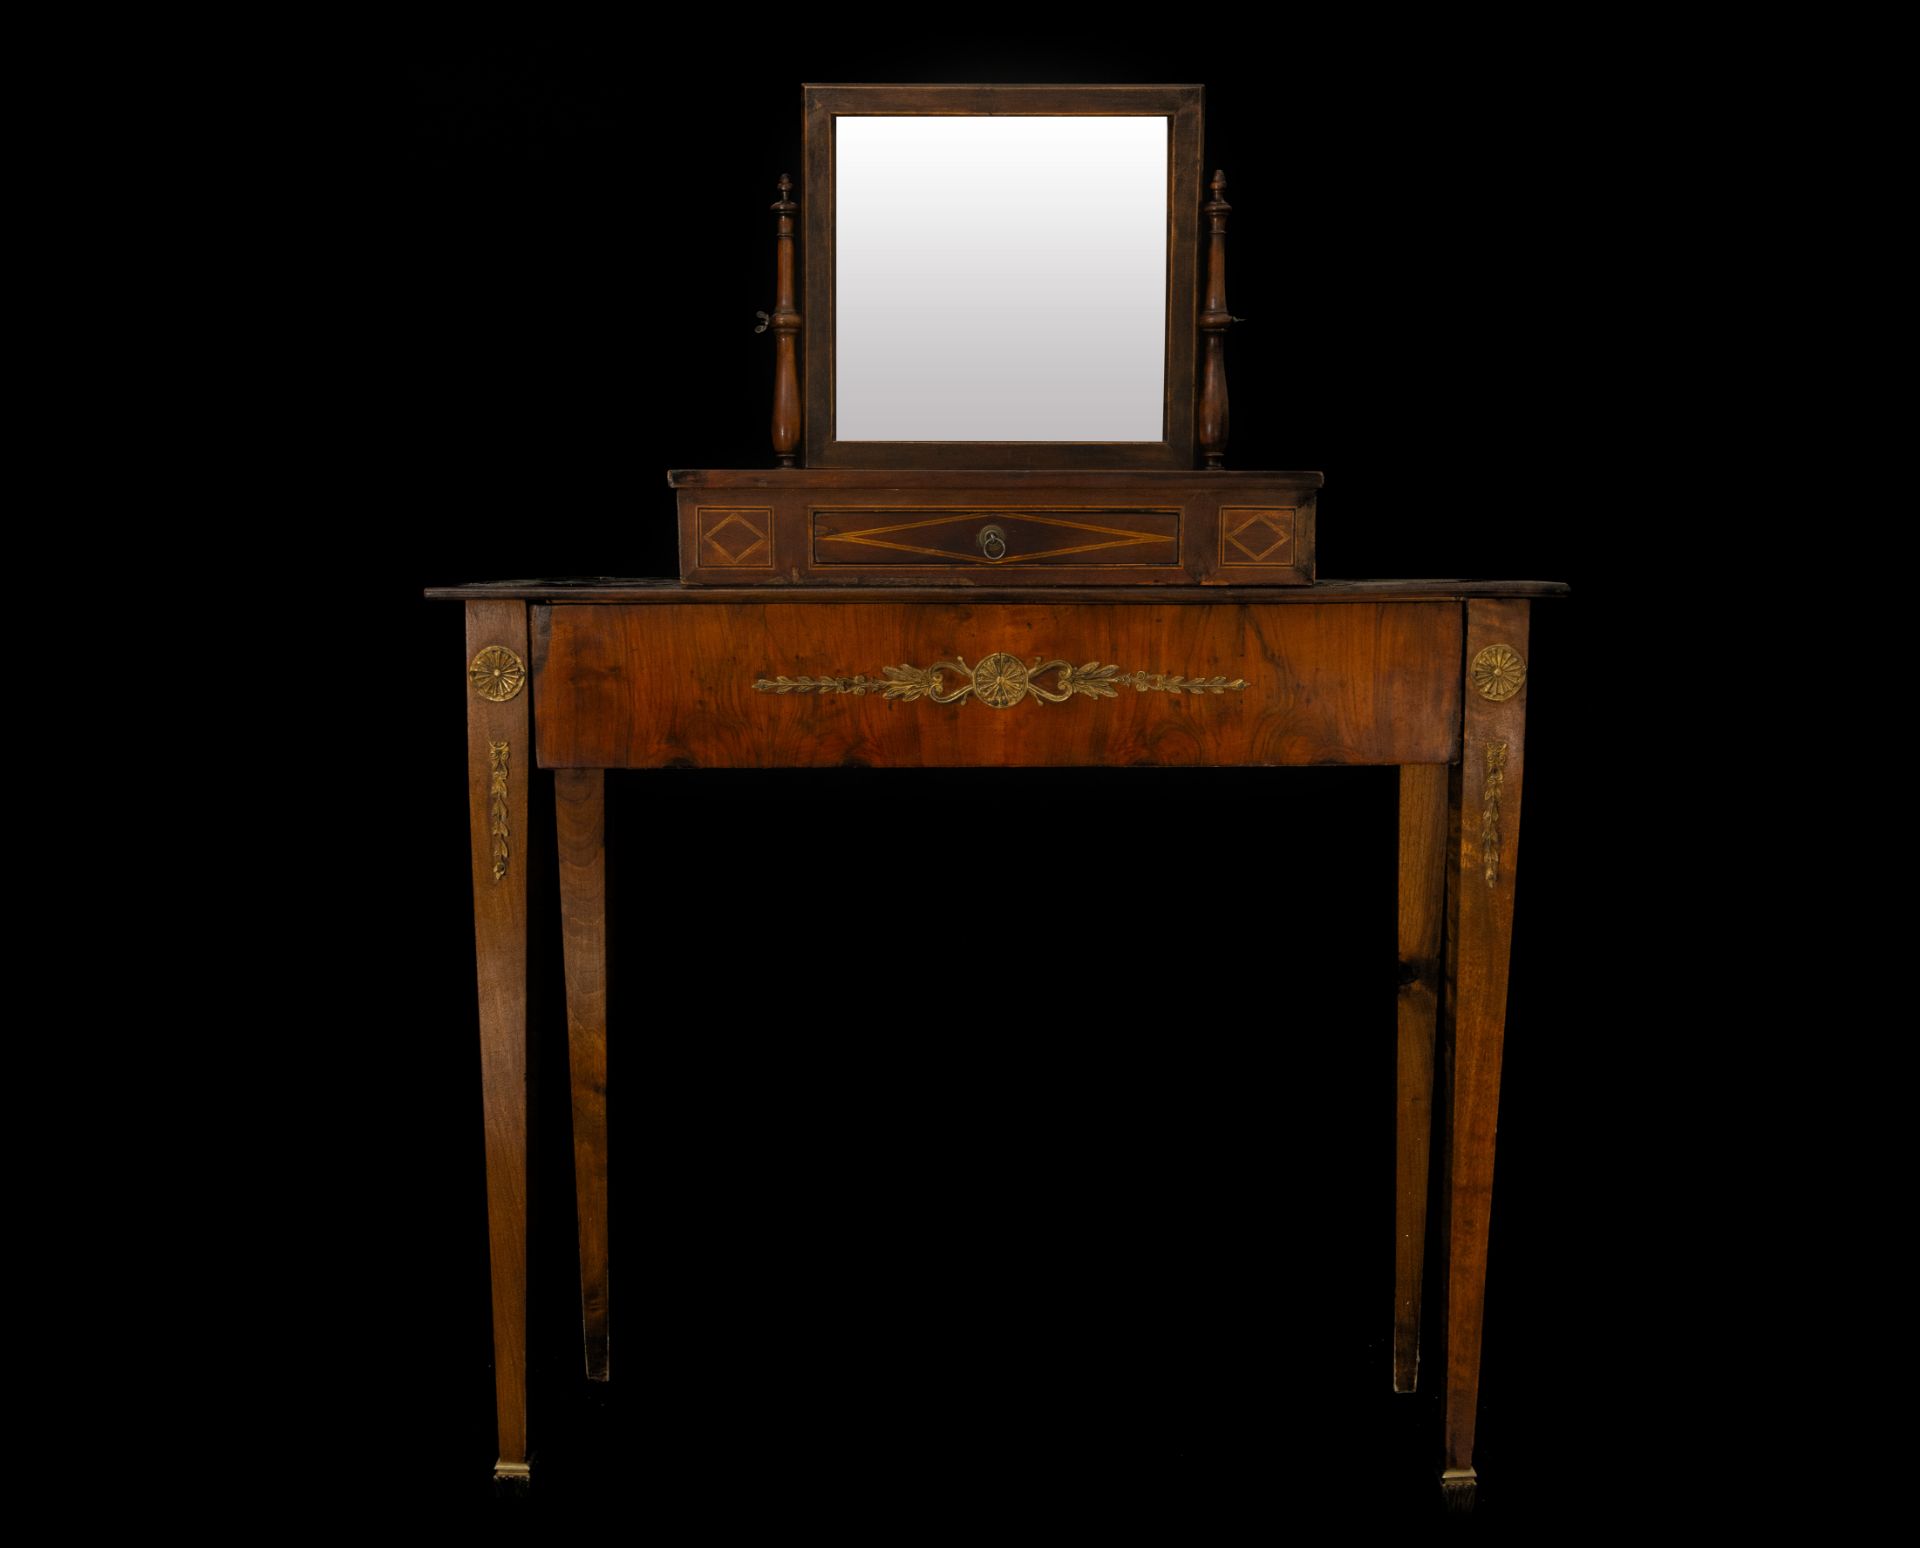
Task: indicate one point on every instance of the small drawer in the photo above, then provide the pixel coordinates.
(994, 537)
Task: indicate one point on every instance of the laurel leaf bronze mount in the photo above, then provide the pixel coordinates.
(1490, 788)
(498, 811)
(1001, 681)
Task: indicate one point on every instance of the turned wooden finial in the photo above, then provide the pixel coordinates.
(785, 324)
(1214, 319)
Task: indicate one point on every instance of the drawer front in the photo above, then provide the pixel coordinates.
(810, 684)
(994, 537)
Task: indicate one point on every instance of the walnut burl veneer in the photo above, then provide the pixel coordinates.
(567, 679)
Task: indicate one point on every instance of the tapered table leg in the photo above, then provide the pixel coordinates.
(499, 769)
(1423, 875)
(580, 805)
(1483, 844)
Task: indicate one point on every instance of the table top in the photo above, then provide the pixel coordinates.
(608, 588)
(1016, 479)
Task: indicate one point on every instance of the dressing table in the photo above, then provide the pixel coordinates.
(999, 532)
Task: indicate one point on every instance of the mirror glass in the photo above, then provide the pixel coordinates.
(1000, 278)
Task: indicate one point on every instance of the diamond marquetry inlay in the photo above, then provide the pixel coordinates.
(736, 539)
(1256, 536)
(990, 535)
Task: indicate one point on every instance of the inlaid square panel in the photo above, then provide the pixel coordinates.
(736, 537)
(1253, 536)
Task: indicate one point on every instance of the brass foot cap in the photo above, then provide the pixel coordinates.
(1457, 1489)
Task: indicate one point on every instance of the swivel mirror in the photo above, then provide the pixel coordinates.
(1001, 276)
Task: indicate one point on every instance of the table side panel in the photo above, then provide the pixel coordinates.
(673, 685)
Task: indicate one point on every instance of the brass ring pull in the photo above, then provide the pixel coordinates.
(993, 542)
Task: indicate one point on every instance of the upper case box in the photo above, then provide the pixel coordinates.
(801, 527)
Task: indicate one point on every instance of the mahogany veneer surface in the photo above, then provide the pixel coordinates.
(651, 687)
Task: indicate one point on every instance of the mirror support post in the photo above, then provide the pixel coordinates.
(785, 324)
(1214, 319)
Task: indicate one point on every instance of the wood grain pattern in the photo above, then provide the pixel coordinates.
(1180, 104)
(1479, 933)
(1423, 873)
(500, 931)
(652, 687)
(580, 820)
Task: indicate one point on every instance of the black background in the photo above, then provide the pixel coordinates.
(986, 1140)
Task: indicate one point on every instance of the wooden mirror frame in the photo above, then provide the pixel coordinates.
(1180, 105)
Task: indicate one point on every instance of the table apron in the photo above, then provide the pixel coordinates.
(783, 684)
